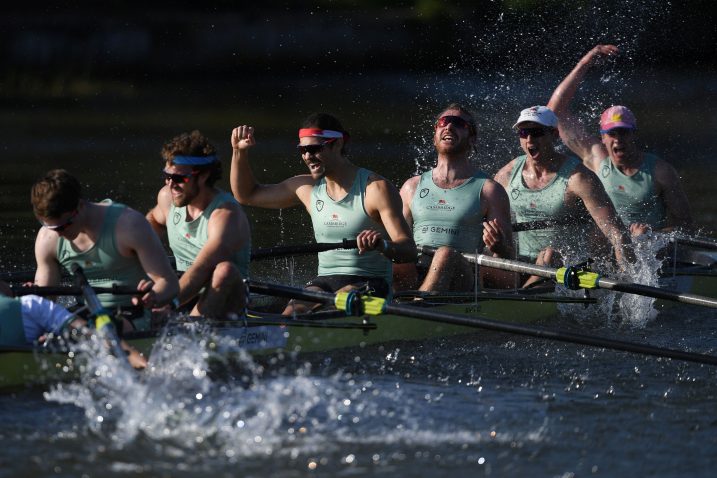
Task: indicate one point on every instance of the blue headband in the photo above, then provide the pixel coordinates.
(193, 160)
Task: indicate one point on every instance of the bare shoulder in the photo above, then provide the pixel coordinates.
(503, 174)
(410, 185)
(377, 182)
(493, 189)
(46, 243)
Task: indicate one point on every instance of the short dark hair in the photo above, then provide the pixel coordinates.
(327, 121)
(193, 144)
(56, 193)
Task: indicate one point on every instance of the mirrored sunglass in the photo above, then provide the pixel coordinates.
(313, 149)
(61, 227)
(178, 178)
(456, 121)
(534, 132)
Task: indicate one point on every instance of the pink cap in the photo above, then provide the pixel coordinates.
(617, 117)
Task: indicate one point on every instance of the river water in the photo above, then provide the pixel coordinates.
(488, 404)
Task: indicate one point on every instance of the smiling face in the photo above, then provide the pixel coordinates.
(319, 154)
(451, 135)
(620, 144)
(183, 190)
(537, 140)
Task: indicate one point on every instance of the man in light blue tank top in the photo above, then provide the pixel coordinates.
(206, 227)
(344, 202)
(28, 319)
(113, 243)
(645, 189)
(544, 185)
(455, 208)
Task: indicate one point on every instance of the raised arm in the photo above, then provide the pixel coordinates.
(135, 235)
(383, 203)
(245, 187)
(572, 132)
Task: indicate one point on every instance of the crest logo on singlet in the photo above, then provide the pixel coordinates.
(514, 193)
(319, 204)
(621, 188)
(335, 221)
(177, 217)
(442, 205)
(533, 205)
(605, 171)
(423, 193)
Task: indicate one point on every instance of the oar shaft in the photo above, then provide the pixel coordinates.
(602, 282)
(696, 242)
(657, 293)
(489, 324)
(65, 290)
(302, 249)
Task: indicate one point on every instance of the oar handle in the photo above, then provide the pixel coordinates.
(278, 251)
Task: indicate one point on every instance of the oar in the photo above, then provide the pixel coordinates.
(701, 243)
(368, 305)
(70, 290)
(581, 279)
(103, 323)
(278, 251)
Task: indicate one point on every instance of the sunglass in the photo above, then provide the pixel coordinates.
(456, 121)
(61, 227)
(617, 131)
(534, 132)
(177, 178)
(313, 149)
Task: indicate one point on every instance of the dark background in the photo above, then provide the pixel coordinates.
(45, 42)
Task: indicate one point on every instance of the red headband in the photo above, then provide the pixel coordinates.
(320, 133)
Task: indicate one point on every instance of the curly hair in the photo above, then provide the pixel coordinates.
(56, 193)
(193, 144)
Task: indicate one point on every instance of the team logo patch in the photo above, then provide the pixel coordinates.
(514, 193)
(177, 217)
(319, 205)
(423, 193)
(605, 171)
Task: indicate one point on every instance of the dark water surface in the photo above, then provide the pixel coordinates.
(482, 405)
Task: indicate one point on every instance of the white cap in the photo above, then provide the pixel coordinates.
(538, 114)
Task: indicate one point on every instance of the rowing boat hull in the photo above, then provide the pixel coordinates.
(268, 334)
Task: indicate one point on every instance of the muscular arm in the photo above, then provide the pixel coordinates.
(245, 187)
(407, 191)
(157, 216)
(383, 203)
(498, 232)
(585, 185)
(48, 271)
(135, 236)
(228, 231)
(572, 132)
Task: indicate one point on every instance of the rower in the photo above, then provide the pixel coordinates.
(645, 189)
(456, 208)
(343, 200)
(29, 319)
(114, 244)
(206, 228)
(544, 184)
